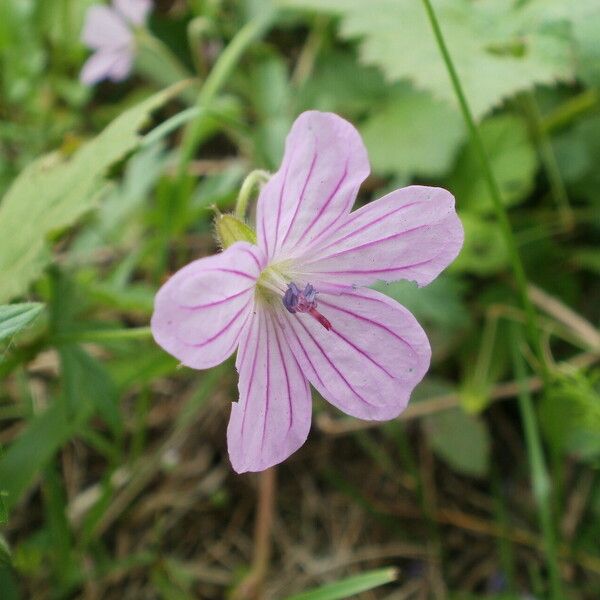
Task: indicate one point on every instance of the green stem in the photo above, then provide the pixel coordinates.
(549, 160)
(494, 189)
(537, 465)
(217, 78)
(167, 127)
(255, 179)
(198, 30)
(566, 113)
(156, 62)
(103, 335)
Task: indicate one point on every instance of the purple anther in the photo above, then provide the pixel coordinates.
(304, 302)
(296, 301)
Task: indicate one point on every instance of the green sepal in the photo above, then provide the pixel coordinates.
(229, 230)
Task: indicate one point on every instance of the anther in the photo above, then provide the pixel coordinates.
(305, 301)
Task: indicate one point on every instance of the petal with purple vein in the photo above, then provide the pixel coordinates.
(324, 164)
(200, 312)
(272, 418)
(412, 233)
(370, 361)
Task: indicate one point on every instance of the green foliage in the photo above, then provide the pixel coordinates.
(5, 554)
(484, 251)
(498, 48)
(15, 317)
(115, 479)
(349, 587)
(513, 161)
(55, 191)
(44, 435)
(570, 415)
(396, 135)
(461, 440)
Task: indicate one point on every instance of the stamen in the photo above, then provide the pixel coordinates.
(304, 302)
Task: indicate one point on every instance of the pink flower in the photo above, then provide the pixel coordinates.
(295, 303)
(108, 31)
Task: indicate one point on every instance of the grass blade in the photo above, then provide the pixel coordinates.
(349, 587)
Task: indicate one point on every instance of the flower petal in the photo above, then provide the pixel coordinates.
(200, 312)
(104, 28)
(324, 164)
(122, 65)
(271, 420)
(135, 11)
(372, 358)
(105, 64)
(412, 233)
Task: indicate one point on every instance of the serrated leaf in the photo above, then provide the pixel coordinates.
(54, 191)
(497, 49)
(513, 161)
(461, 440)
(399, 136)
(339, 83)
(15, 317)
(348, 588)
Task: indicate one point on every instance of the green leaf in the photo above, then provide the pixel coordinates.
(440, 303)
(85, 389)
(3, 509)
(398, 135)
(15, 317)
(54, 191)
(586, 32)
(5, 554)
(498, 48)
(484, 251)
(347, 588)
(461, 440)
(3, 494)
(339, 83)
(513, 161)
(37, 444)
(578, 153)
(570, 415)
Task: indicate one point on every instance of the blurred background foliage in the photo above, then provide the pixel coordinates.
(114, 478)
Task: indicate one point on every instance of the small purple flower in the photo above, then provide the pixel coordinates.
(296, 305)
(108, 31)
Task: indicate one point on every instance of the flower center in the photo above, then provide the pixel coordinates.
(298, 301)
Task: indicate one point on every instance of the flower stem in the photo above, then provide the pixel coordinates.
(104, 335)
(255, 179)
(537, 465)
(494, 189)
(252, 585)
(217, 78)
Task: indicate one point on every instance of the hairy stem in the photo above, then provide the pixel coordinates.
(255, 179)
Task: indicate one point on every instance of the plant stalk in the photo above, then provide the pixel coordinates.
(494, 189)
